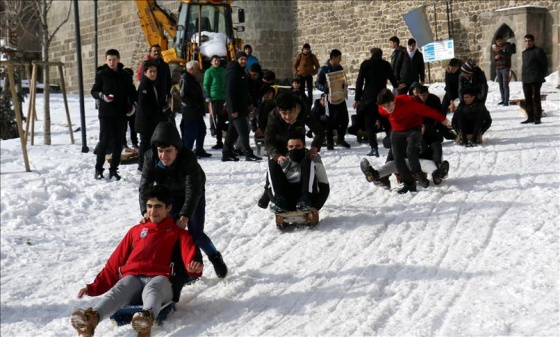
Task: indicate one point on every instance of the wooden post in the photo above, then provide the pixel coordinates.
(32, 112)
(15, 99)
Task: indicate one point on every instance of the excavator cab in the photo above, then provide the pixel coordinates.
(206, 28)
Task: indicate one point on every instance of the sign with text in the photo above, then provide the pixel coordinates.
(438, 50)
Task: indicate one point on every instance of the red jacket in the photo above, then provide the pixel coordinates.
(145, 250)
(408, 113)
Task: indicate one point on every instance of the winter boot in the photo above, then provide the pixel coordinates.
(202, 154)
(342, 143)
(85, 321)
(252, 157)
(371, 174)
(264, 200)
(441, 172)
(373, 152)
(142, 322)
(278, 206)
(218, 146)
(407, 188)
(229, 156)
(219, 266)
(115, 174)
(303, 204)
(99, 174)
(421, 179)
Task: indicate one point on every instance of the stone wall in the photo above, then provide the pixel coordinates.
(277, 29)
(356, 26)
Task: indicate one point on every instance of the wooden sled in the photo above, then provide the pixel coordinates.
(459, 138)
(128, 156)
(124, 315)
(295, 219)
(338, 90)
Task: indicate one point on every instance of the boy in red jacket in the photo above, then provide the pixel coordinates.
(139, 268)
(406, 115)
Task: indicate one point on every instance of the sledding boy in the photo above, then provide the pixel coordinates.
(298, 182)
(471, 118)
(139, 268)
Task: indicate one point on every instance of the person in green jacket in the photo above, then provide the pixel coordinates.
(215, 88)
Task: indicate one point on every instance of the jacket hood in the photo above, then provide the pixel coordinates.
(166, 132)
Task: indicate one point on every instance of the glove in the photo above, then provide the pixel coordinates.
(106, 98)
(132, 109)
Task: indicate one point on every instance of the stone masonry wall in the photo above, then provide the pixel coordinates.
(277, 29)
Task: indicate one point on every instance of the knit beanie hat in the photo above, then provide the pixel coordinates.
(306, 46)
(239, 55)
(468, 67)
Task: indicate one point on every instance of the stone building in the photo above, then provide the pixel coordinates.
(277, 29)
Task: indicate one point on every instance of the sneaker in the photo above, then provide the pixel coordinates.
(278, 206)
(142, 322)
(441, 172)
(506, 103)
(252, 157)
(383, 182)
(373, 152)
(407, 188)
(218, 146)
(343, 143)
(99, 174)
(219, 266)
(238, 152)
(114, 174)
(501, 103)
(371, 174)
(203, 154)
(229, 157)
(421, 179)
(303, 204)
(528, 121)
(85, 321)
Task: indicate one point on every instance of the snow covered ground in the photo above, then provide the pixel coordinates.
(475, 256)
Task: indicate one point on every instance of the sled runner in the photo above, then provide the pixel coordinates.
(295, 219)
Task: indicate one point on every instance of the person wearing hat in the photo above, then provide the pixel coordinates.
(237, 102)
(251, 59)
(306, 65)
(473, 79)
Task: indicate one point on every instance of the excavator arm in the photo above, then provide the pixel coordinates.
(155, 18)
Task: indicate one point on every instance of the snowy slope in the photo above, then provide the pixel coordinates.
(475, 256)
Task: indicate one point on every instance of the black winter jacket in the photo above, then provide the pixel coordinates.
(117, 83)
(412, 70)
(192, 98)
(476, 83)
(163, 80)
(237, 90)
(396, 61)
(184, 177)
(277, 131)
(148, 111)
(535, 65)
(374, 73)
(452, 84)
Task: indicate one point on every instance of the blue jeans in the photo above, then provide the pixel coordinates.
(503, 81)
(191, 131)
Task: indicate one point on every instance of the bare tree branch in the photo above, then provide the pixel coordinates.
(61, 24)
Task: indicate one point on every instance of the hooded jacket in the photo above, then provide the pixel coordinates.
(184, 177)
(148, 113)
(146, 250)
(117, 83)
(305, 64)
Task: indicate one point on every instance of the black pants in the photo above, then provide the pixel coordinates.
(338, 120)
(371, 116)
(145, 139)
(307, 81)
(532, 93)
(406, 144)
(471, 126)
(279, 186)
(133, 136)
(238, 127)
(111, 133)
(219, 120)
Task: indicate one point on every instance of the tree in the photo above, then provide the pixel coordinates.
(32, 17)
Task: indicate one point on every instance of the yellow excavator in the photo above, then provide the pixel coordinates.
(201, 29)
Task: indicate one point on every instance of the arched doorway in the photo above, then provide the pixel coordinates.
(509, 36)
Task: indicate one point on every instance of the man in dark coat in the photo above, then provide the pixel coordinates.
(533, 72)
(164, 76)
(149, 112)
(374, 74)
(473, 79)
(452, 75)
(238, 100)
(193, 127)
(170, 164)
(396, 56)
(502, 61)
(471, 118)
(338, 113)
(117, 97)
(412, 70)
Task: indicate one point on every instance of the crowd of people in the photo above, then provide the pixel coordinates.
(156, 258)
